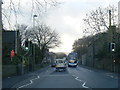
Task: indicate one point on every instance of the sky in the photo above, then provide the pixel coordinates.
(66, 18)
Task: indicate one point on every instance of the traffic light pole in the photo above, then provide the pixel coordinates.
(31, 50)
(22, 71)
(34, 55)
(112, 50)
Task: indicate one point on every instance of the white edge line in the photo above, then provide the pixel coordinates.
(112, 76)
(31, 81)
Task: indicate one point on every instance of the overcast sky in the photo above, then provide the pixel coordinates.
(66, 19)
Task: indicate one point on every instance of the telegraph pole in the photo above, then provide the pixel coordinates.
(110, 38)
(112, 30)
(1, 43)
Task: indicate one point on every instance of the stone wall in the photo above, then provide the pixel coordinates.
(9, 70)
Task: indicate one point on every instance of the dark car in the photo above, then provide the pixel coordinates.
(53, 64)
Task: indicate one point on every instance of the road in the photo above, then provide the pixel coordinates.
(78, 77)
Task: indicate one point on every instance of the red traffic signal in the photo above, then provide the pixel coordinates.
(12, 53)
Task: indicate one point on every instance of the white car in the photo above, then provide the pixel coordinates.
(60, 65)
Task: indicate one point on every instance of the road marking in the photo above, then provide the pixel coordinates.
(84, 83)
(112, 77)
(109, 75)
(31, 81)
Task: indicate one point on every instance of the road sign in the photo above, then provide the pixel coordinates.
(12, 53)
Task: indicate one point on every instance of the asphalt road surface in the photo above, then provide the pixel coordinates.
(78, 77)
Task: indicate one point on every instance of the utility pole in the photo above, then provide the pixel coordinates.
(1, 44)
(112, 30)
(93, 51)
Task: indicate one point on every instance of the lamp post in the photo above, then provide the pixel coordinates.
(34, 16)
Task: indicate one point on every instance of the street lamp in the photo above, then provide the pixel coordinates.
(34, 16)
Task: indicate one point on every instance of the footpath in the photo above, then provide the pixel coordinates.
(9, 82)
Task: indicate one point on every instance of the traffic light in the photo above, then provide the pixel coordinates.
(113, 47)
(114, 61)
(26, 43)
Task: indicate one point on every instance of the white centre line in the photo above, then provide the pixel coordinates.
(84, 83)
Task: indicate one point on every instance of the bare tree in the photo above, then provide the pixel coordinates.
(43, 36)
(98, 20)
(46, 37)
(16, 9)
(23, 32)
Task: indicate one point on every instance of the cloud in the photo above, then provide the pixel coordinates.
(66, 45)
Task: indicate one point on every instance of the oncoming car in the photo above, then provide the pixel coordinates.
(60, 65)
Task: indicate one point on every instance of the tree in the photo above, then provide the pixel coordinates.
(81, 45)
(22, 32)
(60, 55)
(98, 20)
(42, 35)
(45, 37)
(14, 10)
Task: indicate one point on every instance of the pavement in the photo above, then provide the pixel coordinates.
(95, 69)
